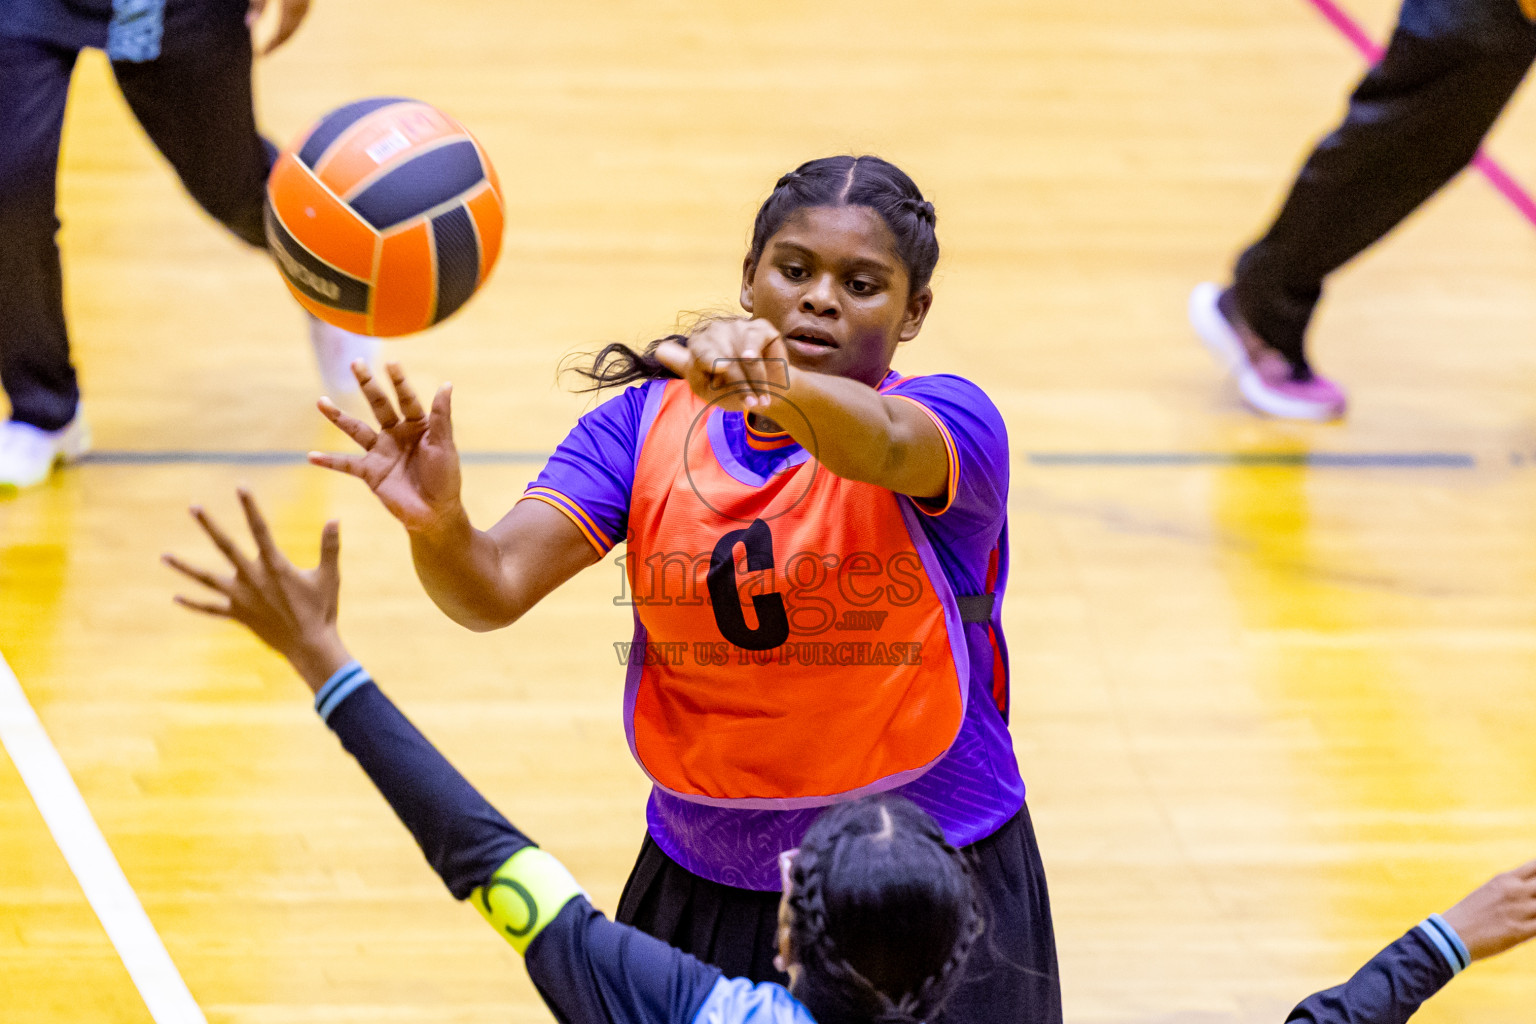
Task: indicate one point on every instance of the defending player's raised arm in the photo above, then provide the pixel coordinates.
(481, 579)
(589, 969)
(1390, 988)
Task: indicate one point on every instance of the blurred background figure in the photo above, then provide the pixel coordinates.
(184, 68)
(1415, 120)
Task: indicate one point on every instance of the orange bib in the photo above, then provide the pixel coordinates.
(796, 641)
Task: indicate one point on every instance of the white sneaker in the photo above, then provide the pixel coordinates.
(28, 454)
(335, 351)
(1266, 381)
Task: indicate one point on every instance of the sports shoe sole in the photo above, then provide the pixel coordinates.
(73, 449)
(1223, 342)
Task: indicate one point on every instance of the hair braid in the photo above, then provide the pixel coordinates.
(855, 997)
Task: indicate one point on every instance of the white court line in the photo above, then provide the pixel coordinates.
(89, 857)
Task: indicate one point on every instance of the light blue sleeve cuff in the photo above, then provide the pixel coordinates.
(1445, 939)
(339, 687)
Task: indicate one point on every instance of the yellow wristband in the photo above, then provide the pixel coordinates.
(524, 895)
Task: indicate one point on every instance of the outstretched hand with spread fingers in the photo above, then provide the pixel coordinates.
(291, 610)
(410, 461)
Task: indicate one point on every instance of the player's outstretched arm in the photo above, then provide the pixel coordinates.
(589, 969)
(481, 579)
(1498, 915)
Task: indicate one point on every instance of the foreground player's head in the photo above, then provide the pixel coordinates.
(879, 913)
(842, 252)
(841, 255)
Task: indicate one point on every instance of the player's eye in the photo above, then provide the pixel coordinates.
(863, 286)
(793, 271)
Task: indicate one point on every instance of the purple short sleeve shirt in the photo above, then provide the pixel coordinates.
(976, 787)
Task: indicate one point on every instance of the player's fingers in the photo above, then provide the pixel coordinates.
(673, 356)
(709, 363)
(702, 377)
(352, 465)
(773, 364)
(221, 611)
(202, 576)
(733, 376)
(221, 541)
(356, 429)
(440, 423)
(754, 371)
(760, 333)
(410, 405)
(378, 401)
(330, 548)
(270, 555)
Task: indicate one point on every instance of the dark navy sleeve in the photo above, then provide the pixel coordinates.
(1394, 984)
(588, 969)
(462, 836)
(592, 971)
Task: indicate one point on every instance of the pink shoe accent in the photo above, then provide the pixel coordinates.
(1320, 397)
(1265, 381)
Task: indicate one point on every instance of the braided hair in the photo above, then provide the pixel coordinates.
(830, 181)
(883, 914)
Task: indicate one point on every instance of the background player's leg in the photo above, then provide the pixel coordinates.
(195, 102)
(34, 348)
(1414, 121)
(1011, 976)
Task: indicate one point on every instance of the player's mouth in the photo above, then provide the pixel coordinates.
(808, 341)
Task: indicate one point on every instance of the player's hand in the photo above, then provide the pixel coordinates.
(410, 462)
(290, 13)
(741, 364)
(1497, 915)
(291, 610)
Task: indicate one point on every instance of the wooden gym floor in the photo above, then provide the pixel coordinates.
(1271, 715)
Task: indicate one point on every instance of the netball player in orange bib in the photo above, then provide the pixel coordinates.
(817, 550)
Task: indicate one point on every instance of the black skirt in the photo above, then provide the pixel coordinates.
(1011, 976)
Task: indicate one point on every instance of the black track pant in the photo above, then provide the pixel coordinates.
(194, 101)
(1010, 978)
(1415, 120)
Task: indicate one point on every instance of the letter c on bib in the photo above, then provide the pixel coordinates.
(772, 622)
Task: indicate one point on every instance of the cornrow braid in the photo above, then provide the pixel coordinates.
(857, 181)
(830, 985)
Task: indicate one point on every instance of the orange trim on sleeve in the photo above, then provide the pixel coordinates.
(763, 441)
(575, 513)
(950, 450)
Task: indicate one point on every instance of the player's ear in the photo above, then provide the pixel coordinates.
(748, 275)
(916, 312)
